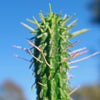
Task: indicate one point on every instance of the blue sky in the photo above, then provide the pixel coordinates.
(12, 12)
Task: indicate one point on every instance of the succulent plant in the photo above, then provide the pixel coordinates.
(51, 55)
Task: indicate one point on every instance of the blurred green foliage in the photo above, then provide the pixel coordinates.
(88, 93)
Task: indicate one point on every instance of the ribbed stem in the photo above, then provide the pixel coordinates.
(50, 48)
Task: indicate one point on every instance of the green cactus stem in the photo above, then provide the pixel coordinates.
(50, 55)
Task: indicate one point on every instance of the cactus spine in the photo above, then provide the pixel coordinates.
(50, 55)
